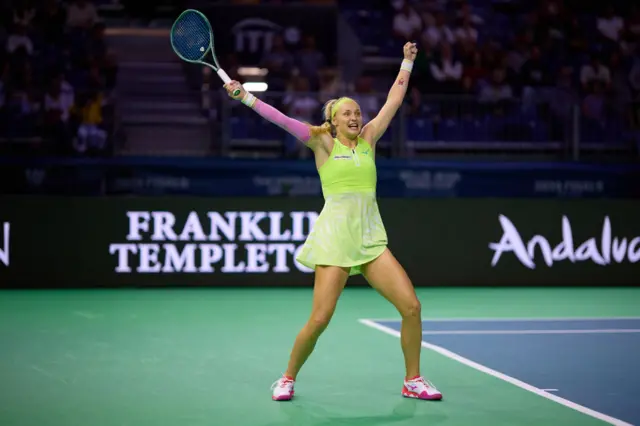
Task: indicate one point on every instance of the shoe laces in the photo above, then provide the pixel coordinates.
(422, 380)
(282, 382)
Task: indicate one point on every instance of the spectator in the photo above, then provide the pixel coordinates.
(19, 40)
(474, 69)
(594, 71)
(82, 14)
(58, 101)
(300, 105)
(23, 13)
(300, 102)
(37, 104)
(593, 105)
(552, 18)
(331, 86)
(562, 99)
(497, 91)
(466, 33)
(440, 32)
(468, 86)
(518, 56)
(310, 61)
(414, 102)
(610, 24)
(67, 92)
(465, 13)
(490, 58)
(619, 88)
(366, 97)
(21, 104)
(279, 62)
(87, 113)
(447, 70)
(407, 23)
(535, 73)
(422, 63)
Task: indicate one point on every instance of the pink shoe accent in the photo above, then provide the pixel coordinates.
(283, 397)
(283, 383)
(423, 395)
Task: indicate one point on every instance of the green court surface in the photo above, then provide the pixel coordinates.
(209, 356)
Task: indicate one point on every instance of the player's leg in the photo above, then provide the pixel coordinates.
(329, 283)
(388, 277)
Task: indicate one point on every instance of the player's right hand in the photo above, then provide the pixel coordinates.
(232, 86)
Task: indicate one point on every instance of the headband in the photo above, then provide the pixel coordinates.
(335, 106)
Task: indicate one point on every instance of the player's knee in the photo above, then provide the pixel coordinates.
(411, 309)
(319, 321)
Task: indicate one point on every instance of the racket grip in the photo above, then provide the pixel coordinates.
(225, 77)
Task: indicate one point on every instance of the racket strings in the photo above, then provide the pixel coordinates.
(191, 36)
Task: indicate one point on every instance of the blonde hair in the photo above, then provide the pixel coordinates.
(328, 112)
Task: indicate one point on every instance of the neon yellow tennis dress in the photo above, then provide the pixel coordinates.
(349, 231)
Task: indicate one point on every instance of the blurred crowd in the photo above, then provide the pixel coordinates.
(284, 1)
(483, 66)
(551, 54)
(56, 77)
(553, 58)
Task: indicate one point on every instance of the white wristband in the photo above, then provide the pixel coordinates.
(249, 100)
(407, 65)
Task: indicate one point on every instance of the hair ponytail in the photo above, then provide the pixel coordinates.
(326, 126)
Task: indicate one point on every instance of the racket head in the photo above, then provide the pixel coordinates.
(192, 37)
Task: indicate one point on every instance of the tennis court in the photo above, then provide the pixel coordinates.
(209, 356)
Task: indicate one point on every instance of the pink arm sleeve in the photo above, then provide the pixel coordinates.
(295, 127)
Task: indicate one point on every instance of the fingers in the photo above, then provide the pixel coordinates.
(411, 47)
(232, 86)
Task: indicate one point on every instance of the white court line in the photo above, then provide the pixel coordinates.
(516, 332)
(510, 319)
(454, 356)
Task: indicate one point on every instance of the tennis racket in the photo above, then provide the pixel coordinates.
(192, 39)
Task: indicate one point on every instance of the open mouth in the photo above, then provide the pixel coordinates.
(353, 126)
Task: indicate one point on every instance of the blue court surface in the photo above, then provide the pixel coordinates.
(592, 362)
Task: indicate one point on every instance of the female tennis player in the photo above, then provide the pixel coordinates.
(349, 237)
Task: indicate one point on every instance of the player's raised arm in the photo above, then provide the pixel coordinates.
(376, 127)
(304, 132)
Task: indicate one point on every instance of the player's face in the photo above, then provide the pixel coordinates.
(348, 120)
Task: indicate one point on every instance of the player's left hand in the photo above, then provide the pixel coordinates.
(410, 51)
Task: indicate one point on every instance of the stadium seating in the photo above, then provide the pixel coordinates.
(54, 50)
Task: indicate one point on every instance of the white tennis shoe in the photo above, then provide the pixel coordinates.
(283, 389)
(420, 388)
